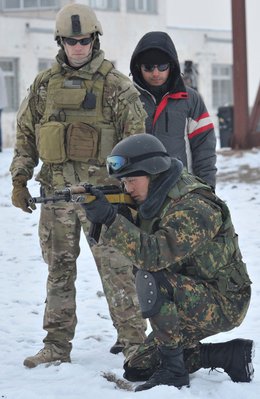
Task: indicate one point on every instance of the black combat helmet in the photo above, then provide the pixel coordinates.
(138, 155)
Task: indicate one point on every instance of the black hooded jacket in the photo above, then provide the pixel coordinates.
(179, 118)
(162, 42)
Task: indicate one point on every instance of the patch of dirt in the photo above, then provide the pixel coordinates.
(240, 172)
(244, 174)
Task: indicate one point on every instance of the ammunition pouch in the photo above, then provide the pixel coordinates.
(149, 296)
(81, 142)
(59, 142)
(50, 141)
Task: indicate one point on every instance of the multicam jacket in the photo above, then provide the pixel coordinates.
(71, 119)
(191, 234)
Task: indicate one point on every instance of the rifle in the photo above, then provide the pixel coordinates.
(81, 194)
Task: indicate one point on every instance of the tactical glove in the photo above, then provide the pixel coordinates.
(21, 195)
(100, 210)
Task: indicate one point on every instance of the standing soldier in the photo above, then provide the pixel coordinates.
(74, 114)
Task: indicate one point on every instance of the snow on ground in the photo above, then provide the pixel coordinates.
(22, 293)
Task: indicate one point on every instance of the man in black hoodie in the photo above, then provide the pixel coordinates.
(177, 114)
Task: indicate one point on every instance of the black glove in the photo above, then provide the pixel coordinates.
(100, 210)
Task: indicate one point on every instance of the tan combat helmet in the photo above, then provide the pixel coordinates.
(76, 20)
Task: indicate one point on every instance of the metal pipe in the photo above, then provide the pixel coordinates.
(241, 112)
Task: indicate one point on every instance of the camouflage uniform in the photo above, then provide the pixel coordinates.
(54, 112)
(192, 251)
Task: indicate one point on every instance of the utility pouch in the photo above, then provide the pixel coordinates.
(149, 296)
(82, 142)
(234, 278)
(69, 98)
(50, 140)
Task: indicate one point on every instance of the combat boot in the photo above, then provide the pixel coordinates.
(117, 348)
(49, 354)
(171, 371)
(235, 357)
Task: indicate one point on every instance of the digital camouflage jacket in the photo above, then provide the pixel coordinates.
(191, 234)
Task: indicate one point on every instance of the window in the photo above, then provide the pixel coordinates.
(142, 6)
(109, 5)
(9, 5)
(222, 85)
(190, 72)
(44, 63)
(10, 69)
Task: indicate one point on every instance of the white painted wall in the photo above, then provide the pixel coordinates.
(17, 42)
(123, 30)
(187, 22)
(216, 14)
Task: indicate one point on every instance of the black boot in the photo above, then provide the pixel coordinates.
(116, 348)
(171, 371)
(141, 365)
(235, 357)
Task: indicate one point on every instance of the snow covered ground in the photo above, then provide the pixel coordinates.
(22, 293)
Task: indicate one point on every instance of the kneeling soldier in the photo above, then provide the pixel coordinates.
(191, 280)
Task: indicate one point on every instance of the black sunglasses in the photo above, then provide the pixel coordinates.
(151, 68)
(72, 42)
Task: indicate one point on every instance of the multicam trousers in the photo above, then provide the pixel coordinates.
(59, 232)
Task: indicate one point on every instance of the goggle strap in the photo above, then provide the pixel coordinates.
(138, 158)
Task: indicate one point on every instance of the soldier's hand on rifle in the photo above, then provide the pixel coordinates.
(100, 210)
(21, 195)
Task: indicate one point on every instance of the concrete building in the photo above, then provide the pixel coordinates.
(27, 46)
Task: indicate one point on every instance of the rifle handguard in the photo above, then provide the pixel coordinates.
(81, 194)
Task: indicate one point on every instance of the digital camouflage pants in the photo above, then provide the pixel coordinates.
(195, 310)
(59, 232)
